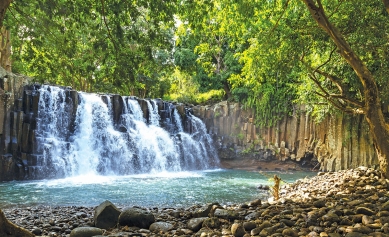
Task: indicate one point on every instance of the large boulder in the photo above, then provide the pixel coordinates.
(136, 217)
(106, 215)
(9, 229)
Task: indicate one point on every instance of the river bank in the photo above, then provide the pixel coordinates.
(345, 203)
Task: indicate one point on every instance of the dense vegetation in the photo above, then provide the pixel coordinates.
(268, 55)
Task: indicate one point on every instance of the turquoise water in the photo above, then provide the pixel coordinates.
(157, 190)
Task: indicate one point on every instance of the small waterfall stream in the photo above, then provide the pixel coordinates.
(113, 135)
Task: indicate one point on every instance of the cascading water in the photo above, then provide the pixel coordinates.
(101, 140)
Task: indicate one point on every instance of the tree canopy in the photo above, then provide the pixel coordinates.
(268, 55)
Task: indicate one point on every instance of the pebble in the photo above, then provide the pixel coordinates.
(348, 203)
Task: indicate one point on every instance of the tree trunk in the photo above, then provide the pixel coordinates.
(372, 105)
(5, 49)
(9, 229)
(386, 4)
(4, 4)
(227, 90)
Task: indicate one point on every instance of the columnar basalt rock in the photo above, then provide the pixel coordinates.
(11, 124)
(338, 142)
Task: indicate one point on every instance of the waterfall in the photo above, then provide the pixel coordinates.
(110, 135)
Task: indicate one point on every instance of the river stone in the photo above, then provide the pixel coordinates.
(195, 224)
(364, 211)
(86, 232)
(384, 220)
(136, 217)
(203, 211)
(378, 234)
(36, 231)
(249, 225)
(331, 217)
(253, 216)
(355, 234)
(211, 223)
(156, 227)
(385, 206)
(287, 222)
(290, 232)
(226, 214)
(264, 225)
(334, 235)
(319, 203)
(237, 230)
(366, 220)
(106, 215)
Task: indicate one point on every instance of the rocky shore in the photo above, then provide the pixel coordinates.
(350, 203)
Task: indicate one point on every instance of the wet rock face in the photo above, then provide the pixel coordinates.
(346, 203)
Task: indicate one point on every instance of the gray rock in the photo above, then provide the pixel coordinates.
(106, 215)
(248, 226)
(86, 232)
(331, 217)
(226, 214)
(252, 216)
(136, 217)
(211, 223)
(203, 211)
(364, 211)
(319, 203)
(196, 223)
(237, 230)
(37, 231)
(156, 227)
(287, 222)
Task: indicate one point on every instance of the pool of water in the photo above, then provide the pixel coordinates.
(151, 190)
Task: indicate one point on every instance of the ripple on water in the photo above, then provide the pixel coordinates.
(148, 190)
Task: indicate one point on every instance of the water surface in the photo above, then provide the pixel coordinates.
(178, 189)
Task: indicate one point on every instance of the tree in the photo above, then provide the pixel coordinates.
(5, 44)
(369, 104)
(286, 53)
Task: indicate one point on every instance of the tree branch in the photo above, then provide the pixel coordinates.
(106, 25)
(386, 4)
(278, 20)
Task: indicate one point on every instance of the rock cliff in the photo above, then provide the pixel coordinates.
(11, 117)
(339, 142)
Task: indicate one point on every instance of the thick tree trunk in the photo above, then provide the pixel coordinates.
(4, 4)
(5, 49)
(372, 105)
(9, 229)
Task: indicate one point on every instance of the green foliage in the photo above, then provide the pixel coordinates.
(264, 54)
(108, 45)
